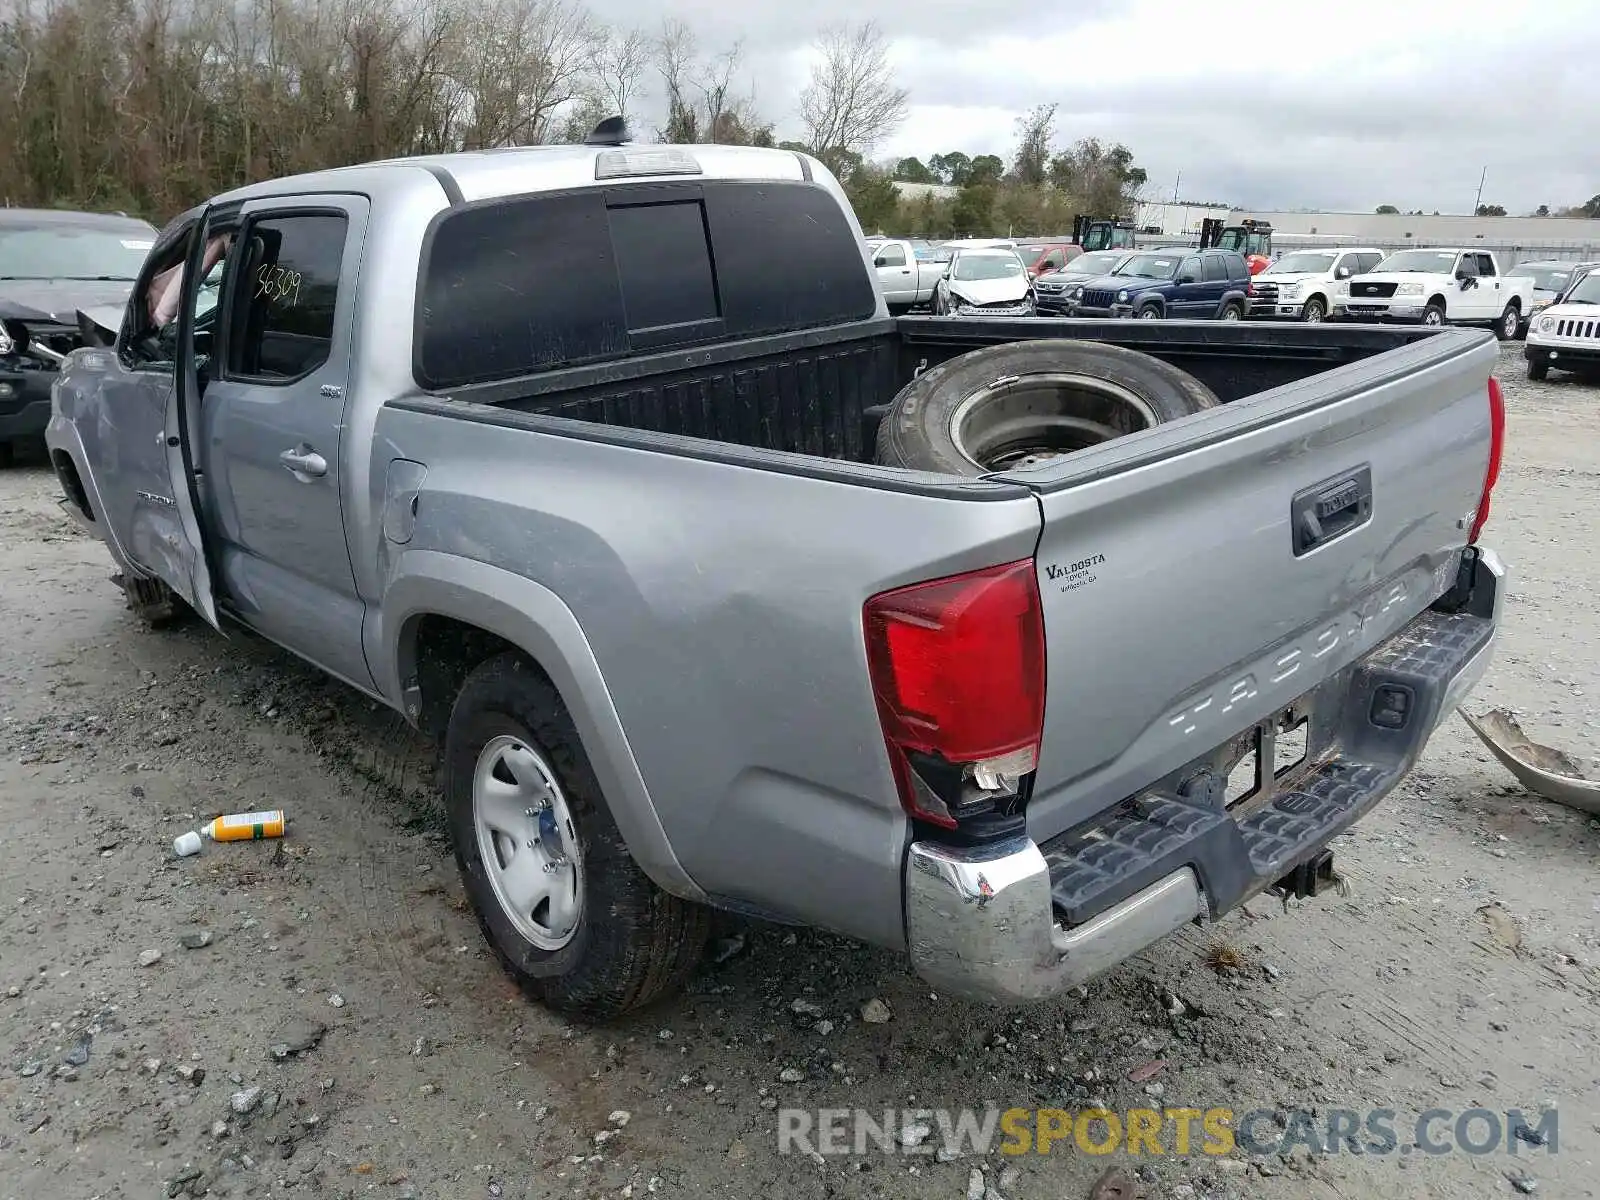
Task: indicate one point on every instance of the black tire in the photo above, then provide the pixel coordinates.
(1434, 315)
(633, 943)
(1150, 312)
(1505, 329)
(1538, 371)
(1314, 310)
(7, 454)
(1231, 311)
(152, 601)
(1029, 413)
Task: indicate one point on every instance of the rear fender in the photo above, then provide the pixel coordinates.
(536, 621)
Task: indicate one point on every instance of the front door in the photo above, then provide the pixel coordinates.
(272, 425)
(1188, 292)
(136, 446)
(896, 274)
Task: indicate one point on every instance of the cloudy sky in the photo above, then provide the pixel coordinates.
(1340, 105)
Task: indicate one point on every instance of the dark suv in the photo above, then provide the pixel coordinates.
(1204, 284)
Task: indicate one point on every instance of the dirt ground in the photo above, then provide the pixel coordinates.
(344, 978)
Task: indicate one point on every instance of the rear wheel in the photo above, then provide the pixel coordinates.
(1014, 406)
(565, 908)
(7, 454)
(1314, 310)
(1233, 311)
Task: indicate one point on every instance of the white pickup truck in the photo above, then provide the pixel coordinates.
(906, 280)
(1438, 287)
(1297, 287)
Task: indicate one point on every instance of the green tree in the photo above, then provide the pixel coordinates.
(1103, 179)
(954, 167)
(872, 194)
(1491, 210)
(912, 170)
(1384, 209)
(1591, 207)
(986, 168)
(1542, 211)
(973, 212)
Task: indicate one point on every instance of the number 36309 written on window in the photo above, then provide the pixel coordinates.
(277, 284)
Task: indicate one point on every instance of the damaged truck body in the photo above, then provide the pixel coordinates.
(544, 450)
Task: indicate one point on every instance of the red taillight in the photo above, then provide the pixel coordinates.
(1497, 443)
(957, 666)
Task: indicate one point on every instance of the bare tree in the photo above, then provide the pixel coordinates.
(677, 58)
(618, 65)
(703, 104)
(1036, 135)
(852, 102)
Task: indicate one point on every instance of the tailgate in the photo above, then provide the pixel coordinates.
(1179, 605)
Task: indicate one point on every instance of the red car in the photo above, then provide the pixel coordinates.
(1050, 254)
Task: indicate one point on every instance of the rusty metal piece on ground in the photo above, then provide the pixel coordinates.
(1115, 1184)
(1549, 772)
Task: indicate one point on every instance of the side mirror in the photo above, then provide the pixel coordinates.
(1342, 273)
(1187, 278)
(880, 261)
(1463, 275)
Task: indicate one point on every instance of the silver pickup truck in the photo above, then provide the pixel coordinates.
(543, 449)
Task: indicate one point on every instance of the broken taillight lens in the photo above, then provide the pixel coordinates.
(1497, 442)
(957, 667)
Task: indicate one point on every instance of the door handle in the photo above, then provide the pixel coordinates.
(303, 461)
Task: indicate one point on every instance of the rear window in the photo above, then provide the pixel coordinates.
(530, 284)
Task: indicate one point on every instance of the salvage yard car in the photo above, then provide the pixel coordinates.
(984, 283)
(1550, 278)
(1203, 284)
(1567, 334)
(1438, 287)
(1056, 293)
(1298, 286)
(52, 264)
(908, 279)
(947, 635)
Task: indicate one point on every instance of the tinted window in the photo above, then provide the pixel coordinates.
(664, 264)
(893, 256)
(288, 289)
(518, 286)
(1485, 265)
(1368, 261)
(1467, 263)
(1215, 267)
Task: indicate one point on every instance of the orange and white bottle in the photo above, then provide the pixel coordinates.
(245, 827)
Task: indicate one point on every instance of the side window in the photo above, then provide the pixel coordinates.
(1485, 265)
(1215, 266)
(282, 320)
(1054, 261)
(1189, 267)
(150, 334)
(1237, 267)
(893, 255)
(1467, 263)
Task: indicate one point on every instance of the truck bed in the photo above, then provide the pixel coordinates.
(814, 394)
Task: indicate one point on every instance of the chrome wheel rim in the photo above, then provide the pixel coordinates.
(1432, 317)
(1313, 312)
(526, 839)
(1511, 323)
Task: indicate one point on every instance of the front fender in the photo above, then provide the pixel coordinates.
(538, 622)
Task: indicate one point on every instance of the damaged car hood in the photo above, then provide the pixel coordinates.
(990, 291)
(58, 300)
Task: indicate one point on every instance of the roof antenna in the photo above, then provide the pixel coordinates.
(613, 131)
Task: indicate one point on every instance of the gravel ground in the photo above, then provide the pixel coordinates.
(319, 1016)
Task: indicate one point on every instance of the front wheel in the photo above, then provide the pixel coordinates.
(1314, 311)
(1433, 316)
(1510, 321)
(565, 908)
(1538, 371)
(1149, 312)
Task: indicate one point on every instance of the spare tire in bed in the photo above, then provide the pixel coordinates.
(1011, 406)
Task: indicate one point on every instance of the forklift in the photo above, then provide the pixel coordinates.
(1249, 237)
(1102, 233)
